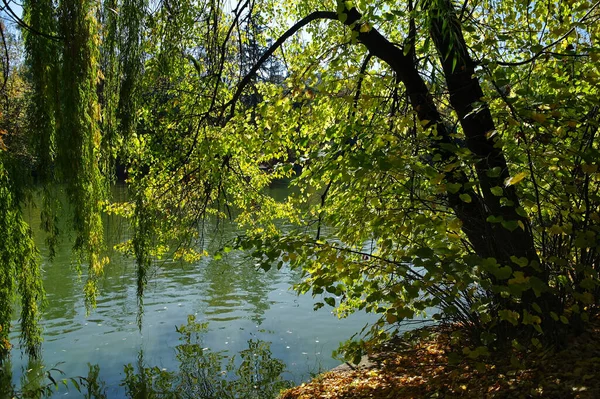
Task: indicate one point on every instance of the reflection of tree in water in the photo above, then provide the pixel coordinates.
(6, 385)
(232, 283)
(34, 382)
(203, 374)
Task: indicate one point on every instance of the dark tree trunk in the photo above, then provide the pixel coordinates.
(488, 239)
(472, 215)
(465, 93)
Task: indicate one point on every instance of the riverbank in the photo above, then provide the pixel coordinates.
(426, 368)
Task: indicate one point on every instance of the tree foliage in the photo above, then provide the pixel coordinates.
(444, 154)
(20, 275)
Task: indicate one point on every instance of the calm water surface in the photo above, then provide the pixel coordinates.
(239, 303)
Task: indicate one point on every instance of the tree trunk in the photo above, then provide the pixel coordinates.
(488, 239)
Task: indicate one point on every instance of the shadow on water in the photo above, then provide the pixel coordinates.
(252, 373)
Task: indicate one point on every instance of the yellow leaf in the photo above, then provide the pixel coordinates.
(455, 224)
(555, 230)
(539, 118)
(587, 168)
(519, 278)
(438, 179)
(365, 27)
(515, 179)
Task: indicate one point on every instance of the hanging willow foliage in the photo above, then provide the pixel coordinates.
(78, 136)
(131, 22)
(19, 272)
(42, 60)
(109, 86)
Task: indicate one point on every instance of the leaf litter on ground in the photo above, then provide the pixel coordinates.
(430, 367)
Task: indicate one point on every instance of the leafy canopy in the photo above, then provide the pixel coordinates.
(443, 155)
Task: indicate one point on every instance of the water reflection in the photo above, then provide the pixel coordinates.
(6, 385)
(240, 303)
(253, 373)
(232, 288)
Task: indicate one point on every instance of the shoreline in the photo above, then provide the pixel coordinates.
(432, 367)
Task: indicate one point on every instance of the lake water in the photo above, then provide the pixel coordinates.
(242, 306)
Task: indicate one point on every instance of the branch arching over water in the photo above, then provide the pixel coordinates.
(290, 32)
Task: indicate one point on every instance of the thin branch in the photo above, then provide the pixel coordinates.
(412, 31)
(361, 76)
(291, 31)
(462, 10)
(24, 25)
(237, 12)
(323, 198)
(6, 55)
(554, 43)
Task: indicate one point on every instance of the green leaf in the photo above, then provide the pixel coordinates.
(510, 316)
(453, 188)
(497, 191)
(494, 172)
(521, 212)
(494, 219)
(465, 198)
(510, 225)
(523, 261)
(503, 273)
(537, 285)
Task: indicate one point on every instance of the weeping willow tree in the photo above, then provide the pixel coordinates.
(62, 62)
(108, 91)
(78, 137)
(19, 259)
(20, 272)
(43, 60)
(185, 164)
